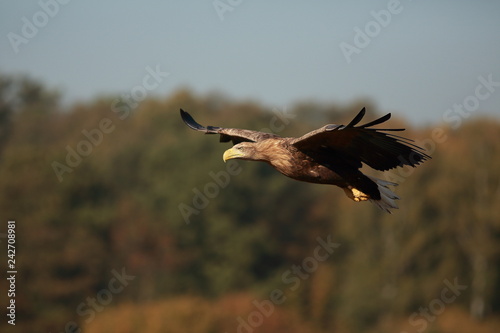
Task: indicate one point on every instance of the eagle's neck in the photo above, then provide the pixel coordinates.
(277, 153)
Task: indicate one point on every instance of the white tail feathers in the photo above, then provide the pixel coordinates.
(387, 196)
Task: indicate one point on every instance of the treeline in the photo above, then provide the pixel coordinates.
(120, 218)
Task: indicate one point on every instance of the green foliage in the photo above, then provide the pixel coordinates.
(119, 207)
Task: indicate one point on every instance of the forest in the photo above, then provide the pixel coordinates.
(128, 221)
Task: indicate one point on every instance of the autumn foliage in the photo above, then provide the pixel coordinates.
(96, 194)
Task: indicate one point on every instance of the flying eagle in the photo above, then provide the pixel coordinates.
(332, 154)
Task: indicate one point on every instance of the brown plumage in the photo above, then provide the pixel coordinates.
(332, 154)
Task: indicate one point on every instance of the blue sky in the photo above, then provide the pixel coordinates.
(421, 61)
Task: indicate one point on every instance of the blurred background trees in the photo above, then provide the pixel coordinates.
(118, 208)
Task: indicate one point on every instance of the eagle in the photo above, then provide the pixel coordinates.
(332, 154)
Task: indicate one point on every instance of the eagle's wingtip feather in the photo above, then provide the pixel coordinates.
(190, 122)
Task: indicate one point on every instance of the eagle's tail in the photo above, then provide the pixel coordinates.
(387, 197)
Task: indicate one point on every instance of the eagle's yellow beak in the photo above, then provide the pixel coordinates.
(231, 153)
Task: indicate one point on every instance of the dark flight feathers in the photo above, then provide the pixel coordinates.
(381, 151)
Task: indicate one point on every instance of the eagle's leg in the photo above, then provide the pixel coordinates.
(355, 194)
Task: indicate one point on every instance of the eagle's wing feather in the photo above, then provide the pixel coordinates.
(235, 135)
(381, 151)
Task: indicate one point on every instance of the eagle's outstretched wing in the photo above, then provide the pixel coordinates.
(235, 135)
(381, 151)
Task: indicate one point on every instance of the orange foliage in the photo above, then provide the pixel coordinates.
(232, 313)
